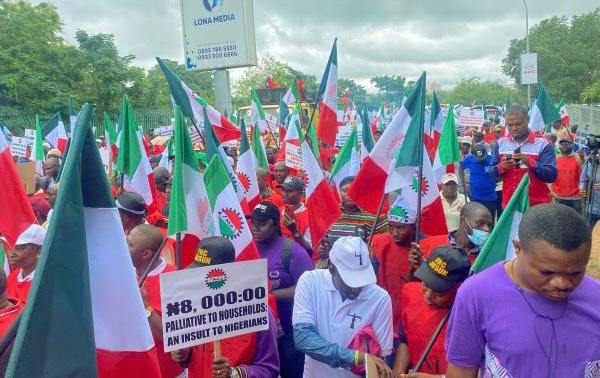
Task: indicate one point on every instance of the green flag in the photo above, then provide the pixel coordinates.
(258, 148)
(410, 153)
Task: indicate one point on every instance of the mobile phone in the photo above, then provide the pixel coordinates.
(289, 210)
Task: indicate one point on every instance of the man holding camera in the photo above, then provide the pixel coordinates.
(523, 152)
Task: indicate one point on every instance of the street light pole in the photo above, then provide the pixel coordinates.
(527, 47)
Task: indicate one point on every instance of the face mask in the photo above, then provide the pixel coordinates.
(478, 237)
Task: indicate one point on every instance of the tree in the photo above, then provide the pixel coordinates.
(473, 90)
(283, 74)
(390, 88)
(358, 93)
(568, 54)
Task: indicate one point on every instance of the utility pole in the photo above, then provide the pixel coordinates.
(527, 47)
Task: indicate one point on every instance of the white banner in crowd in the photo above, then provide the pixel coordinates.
(18, 146)
(470, 118)
(29, 136)
(215, 302)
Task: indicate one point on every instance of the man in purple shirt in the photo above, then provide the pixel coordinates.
(535, 316)
(286, 261)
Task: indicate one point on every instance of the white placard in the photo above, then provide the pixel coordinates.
(470, 118)
(105, 155)
(163, 131)
(29, 136)
(18, 146)
(218, 34)
(529, 71)
(210, 303)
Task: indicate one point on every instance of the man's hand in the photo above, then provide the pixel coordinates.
(220, 367)
(289, 221)
(415, 256)
(521, 158)
(383, 369)
(181, 356)
(508, 164)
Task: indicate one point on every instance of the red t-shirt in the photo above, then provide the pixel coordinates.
(9, 314)
(419, 322)
(301, 216)
(168, 367)
(430, 243)
(16, 289)
(274, 198)
(567, 179)
(392, 269)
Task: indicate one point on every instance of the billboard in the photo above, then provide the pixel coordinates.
(218, 34)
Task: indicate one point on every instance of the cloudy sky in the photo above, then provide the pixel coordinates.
(448, 39)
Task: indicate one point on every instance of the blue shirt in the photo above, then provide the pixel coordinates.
(483, 185)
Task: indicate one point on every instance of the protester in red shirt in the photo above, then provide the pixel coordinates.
(523, 152)
(294, 214)
(24, 258)
(10, 308)
(161, 178)
(566, 186)
(473, 230)
(143, 241)
(252, 355)
(132, 210)
(280, 173)
(424, 305)
(391, 252)
(267, 194)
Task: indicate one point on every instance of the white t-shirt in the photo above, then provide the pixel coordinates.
(318, 302)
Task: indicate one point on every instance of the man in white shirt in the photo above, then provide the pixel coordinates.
(452, 200)
(24, 257)
(332, 305)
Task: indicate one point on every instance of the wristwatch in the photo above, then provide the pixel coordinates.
(297, 235)
(148, 311)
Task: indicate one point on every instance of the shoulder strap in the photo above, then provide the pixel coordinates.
(286, 254)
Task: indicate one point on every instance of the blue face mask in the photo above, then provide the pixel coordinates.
(478, 237)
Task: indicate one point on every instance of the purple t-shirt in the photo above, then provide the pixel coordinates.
(280, 278)
(492, 326)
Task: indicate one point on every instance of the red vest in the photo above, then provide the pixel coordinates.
(567, 180)
(419, 322)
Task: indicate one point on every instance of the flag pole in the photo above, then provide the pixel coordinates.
(432, 341)
(379, 209)
(152, 261)
(178, 250)
(418, 220)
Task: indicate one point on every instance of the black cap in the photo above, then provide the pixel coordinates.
(445, 268)
(131, 203)
(265, 211)
(213, 250)
(293, 183)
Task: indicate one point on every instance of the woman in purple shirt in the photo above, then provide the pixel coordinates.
(286, 261)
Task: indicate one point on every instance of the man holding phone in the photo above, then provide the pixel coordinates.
(523, 152)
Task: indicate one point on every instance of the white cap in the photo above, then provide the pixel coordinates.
(449, 177)
(34, 234)
(402, 212)
(465, 139)
(350, 256)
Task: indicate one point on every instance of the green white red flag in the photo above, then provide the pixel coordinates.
(193, 106)
(328, 123)
(132, 160)
(16, 215)
(55, 133)
(447, 153)
(434, 124)
(246, 168)
(347, 162)
(499, 246)
(258, 149)
(366, 138)
(84, 315)
(257, 113)
(110, 136)
(227, 212)
(564, 114)
(543, 113)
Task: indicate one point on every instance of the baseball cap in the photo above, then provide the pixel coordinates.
(445, 267)
(565, 138)
(131, 203)
(265, 211)
(465, 139)
(34, 234)
(449, 177)
(350, 255)
(213, 250)
(292, 183)
(402, 212)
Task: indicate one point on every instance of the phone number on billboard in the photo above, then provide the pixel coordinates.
(218, 52)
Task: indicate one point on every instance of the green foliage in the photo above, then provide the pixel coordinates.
(473, 90)
(390, 88)
(283, 74)
(358, 93)
(568, 55)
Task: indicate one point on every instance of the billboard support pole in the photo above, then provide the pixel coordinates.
(223, 91)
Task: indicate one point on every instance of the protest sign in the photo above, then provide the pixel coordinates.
(29, 136)
(18, 146)
(293, 156)
(27, 175)
(106, 156)
(163, 131)
(470, 118)
(211, 303)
